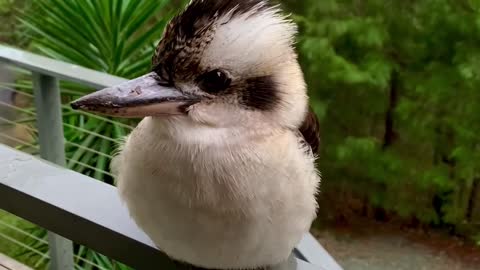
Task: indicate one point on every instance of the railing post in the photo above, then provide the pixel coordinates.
(52, 148)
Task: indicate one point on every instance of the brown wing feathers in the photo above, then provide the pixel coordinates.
(310, 130)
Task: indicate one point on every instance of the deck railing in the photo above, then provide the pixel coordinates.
(73, 206)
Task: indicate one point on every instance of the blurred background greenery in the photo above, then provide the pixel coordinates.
(395, 84)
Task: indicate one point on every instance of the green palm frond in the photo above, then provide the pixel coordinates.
(108, 36)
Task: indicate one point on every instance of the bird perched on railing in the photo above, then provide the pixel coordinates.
(221, 171)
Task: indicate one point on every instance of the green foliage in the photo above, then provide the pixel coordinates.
(117, 37)
(395, 84)
(10, 31)
(10, 235)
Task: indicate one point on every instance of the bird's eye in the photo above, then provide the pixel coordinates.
(214, 81)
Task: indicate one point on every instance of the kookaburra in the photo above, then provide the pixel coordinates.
(220, 173)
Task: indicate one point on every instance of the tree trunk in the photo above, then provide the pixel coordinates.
(472, 199)
(390, 135)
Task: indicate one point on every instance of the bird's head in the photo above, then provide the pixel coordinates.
(219, 63)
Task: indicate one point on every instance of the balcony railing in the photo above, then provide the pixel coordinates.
(74, 207)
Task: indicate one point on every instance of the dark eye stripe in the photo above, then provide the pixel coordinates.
(260, 93)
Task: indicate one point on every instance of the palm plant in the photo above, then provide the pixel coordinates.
(112, 36)
(116, 37)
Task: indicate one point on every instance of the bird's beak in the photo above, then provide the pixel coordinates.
(137, 98)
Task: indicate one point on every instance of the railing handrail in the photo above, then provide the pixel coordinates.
(119, 227)
(58, 69)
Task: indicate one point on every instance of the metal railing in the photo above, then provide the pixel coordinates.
(99, 222)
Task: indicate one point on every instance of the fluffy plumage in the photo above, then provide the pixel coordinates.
(230, 184)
